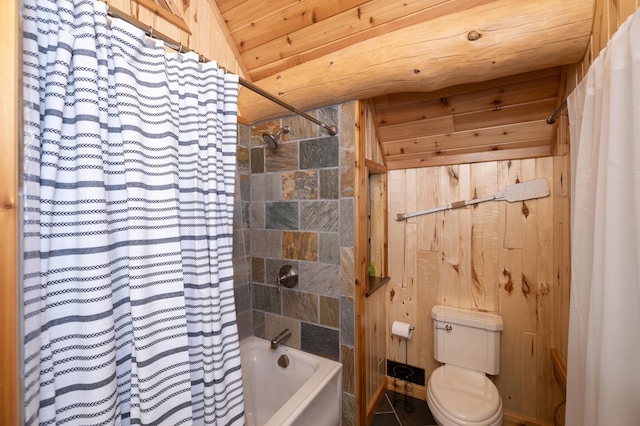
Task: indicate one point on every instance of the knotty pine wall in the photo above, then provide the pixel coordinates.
(10, 136)
(494, 257)
(372, 310)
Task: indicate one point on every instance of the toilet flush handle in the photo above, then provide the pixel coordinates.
(447, 327)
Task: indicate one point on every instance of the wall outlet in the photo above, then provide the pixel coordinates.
(405, 372)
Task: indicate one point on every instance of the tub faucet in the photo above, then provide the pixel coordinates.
(280, 338)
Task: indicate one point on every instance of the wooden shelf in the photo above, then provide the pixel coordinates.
(374, 283)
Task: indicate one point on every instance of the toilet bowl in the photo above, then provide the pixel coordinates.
(468, 344)
(462, 397)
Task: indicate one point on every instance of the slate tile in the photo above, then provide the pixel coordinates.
(319, 153)
(320, 341)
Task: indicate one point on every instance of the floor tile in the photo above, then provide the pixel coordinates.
(396, 410)
(385, 419)
(384, 406)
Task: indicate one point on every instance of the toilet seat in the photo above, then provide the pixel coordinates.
(459, 396)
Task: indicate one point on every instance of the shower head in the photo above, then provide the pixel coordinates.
(271, 140)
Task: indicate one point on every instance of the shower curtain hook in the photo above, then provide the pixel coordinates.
(180, 48)
(151, 31)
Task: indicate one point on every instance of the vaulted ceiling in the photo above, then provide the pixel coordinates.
(448, 79)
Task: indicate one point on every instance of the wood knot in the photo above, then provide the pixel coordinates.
(509, 285)
(452, 173)
(526, 288)
(473, 35)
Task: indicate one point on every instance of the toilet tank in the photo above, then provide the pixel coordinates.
(468, 339)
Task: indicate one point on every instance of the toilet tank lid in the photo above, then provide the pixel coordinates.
(485, 320)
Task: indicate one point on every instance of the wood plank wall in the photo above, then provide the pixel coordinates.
(375, 314)
(375, 318)
(10, 119)
(609, 15)
(372, 147)
(494, 257)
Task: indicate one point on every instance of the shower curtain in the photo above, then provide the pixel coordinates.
(603, 383)
(129, 174)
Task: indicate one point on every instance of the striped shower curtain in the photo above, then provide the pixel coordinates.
(129, 167)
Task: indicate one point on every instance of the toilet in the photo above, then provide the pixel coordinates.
(467, 343)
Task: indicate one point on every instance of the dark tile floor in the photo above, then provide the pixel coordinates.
(413, 412)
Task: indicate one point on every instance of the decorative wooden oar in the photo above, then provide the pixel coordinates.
(537, 188)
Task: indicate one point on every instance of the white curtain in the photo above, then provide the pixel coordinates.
(604, 329)
(129, 151)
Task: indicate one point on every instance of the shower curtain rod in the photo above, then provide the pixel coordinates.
(169, 42)
(553, 117)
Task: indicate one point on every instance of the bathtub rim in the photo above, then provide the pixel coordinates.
(325, 371)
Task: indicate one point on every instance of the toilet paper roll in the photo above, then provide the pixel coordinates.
(402, 329)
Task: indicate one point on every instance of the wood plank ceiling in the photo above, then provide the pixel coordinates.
(499, 119)
(451, 81)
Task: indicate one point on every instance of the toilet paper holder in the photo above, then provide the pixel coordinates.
(402, 329)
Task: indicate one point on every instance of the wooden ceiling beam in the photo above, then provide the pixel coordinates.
(327, 47)
(426, 57)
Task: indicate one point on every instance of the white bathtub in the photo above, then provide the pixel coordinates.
(307, 392)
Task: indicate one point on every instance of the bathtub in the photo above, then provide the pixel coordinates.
(306, 392)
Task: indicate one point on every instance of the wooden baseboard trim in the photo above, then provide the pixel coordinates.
(417, 391)
(513, 419)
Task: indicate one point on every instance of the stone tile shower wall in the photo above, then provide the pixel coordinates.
(301, 212)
